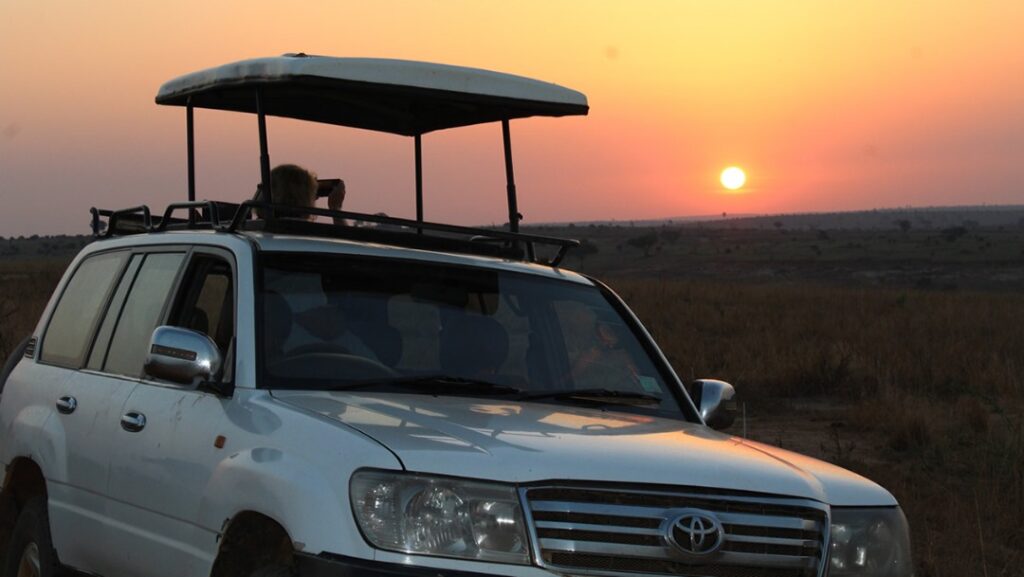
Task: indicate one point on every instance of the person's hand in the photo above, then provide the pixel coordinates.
(337, 196)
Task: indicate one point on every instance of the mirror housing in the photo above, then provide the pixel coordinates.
(716, 402)
(182, 356)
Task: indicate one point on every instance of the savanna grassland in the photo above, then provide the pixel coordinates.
(898, 354)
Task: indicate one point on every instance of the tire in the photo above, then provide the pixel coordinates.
(30, 552)
(273, 571)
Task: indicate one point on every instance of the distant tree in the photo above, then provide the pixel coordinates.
(670, 235)
(778, 225)
(953, 233)
(644, 242)
(904, 225)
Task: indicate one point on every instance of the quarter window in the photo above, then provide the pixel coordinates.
(74, 320)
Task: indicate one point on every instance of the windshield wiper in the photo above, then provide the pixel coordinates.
(595, 396)
(435, 384)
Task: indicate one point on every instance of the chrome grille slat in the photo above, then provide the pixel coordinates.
(612, 532)
(599, 548)
(772, 561)
(772, 540)
(598, 509)
(597, 528)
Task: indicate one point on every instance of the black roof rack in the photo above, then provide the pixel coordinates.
(229, 218)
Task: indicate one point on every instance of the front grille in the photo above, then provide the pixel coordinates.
(601, 531)
(30, 348)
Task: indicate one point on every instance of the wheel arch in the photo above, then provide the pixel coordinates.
(309, 504)
(251, 540)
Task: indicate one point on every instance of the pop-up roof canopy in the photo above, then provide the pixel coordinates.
(396, 96)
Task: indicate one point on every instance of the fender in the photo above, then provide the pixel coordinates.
(280, 485)
(28, 429)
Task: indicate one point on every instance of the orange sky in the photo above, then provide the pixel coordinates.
(827, 105)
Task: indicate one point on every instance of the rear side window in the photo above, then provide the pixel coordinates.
(74, 320)
(141, 313)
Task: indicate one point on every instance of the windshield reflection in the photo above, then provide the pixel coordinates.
(337, 322)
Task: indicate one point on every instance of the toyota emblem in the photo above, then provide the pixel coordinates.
(696, 533)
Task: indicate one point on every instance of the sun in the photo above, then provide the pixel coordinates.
(733, 178)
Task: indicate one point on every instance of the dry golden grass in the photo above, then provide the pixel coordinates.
(25, 288)
(797, 340)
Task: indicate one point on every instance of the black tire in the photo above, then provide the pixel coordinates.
(273, 571)
(31, 529)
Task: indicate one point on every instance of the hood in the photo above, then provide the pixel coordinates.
(522, 442)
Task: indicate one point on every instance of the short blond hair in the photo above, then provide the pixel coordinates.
(292, 185)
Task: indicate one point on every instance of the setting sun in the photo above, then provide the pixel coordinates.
(733, 178)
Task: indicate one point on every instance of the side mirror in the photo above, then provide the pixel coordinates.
(716, 401)
(182, 356)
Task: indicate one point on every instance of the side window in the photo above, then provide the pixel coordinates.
(141, 313)
(207, 303)
(74, 320)
(99, 348)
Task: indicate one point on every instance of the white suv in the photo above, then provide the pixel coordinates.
(221, 395)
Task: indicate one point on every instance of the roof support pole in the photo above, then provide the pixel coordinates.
(190, 143)
(264, 155)
(418, 153)
(510, 179)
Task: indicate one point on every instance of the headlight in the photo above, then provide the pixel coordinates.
(439, 516)
(869, 543)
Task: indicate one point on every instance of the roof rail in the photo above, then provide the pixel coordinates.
(208, 215)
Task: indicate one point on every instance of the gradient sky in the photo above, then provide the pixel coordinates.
(827, 105)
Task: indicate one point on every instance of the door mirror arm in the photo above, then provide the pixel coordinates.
(219, 388)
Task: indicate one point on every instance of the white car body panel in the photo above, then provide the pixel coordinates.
(519, 442)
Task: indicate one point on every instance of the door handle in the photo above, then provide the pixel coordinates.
(67, 404)
(133, 422)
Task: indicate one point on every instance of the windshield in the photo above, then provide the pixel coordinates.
(335, 322)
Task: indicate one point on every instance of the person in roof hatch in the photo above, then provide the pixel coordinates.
(294, 185)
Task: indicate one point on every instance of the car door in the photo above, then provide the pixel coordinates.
(161, 469)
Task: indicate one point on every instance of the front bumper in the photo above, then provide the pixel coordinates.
(328, 565)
